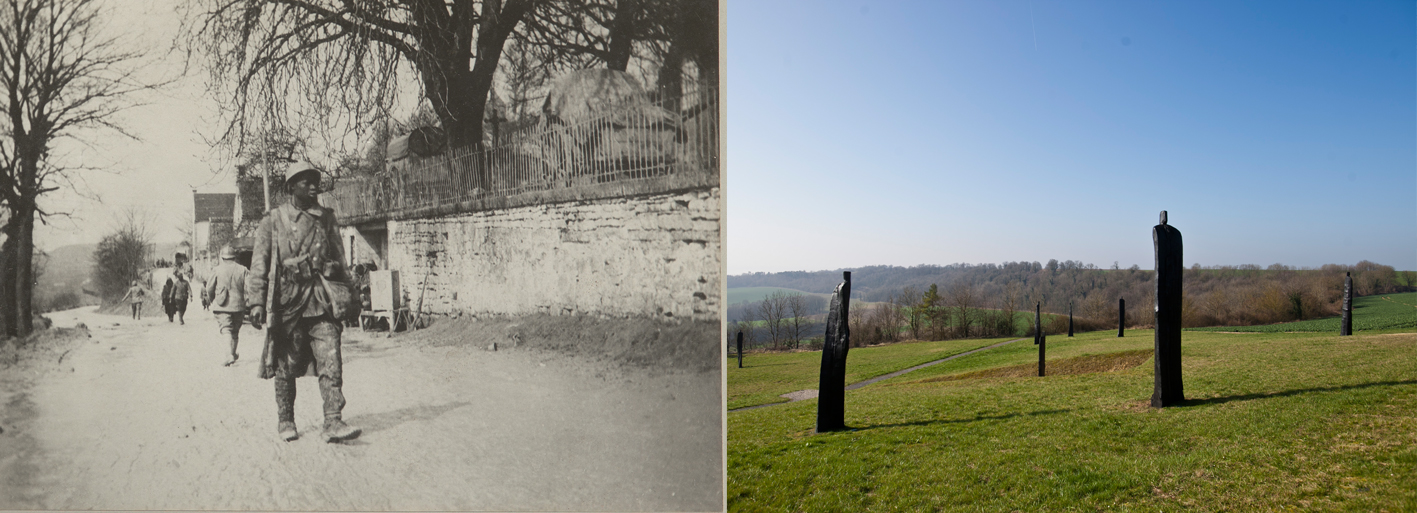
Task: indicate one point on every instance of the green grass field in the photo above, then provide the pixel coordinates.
(765, 376)
(740, 294)
(1380, 312)
(1275, 421)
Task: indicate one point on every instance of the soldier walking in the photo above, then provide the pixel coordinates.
(175, 295)
(225, 294)
(297, 251)
(135, 294)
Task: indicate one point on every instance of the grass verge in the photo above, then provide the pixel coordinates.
(765, 376)
(1274, 421)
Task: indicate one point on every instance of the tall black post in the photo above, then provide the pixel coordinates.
(740, 349)
(1070, 318)
(1167, 240)
(1121, 316)
(831, 393)
(1346, 328)
(1042, 348)
(1037, 322)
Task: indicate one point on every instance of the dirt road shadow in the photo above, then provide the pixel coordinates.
(375, 422)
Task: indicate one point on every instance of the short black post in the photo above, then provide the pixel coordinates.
(831, 392)
(1346, 328)
(1037, 322)
(1121, 316)
(740, 349)
(1042, 348)
(1167, 241)
(1070, 318)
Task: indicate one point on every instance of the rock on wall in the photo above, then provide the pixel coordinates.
(656, 255)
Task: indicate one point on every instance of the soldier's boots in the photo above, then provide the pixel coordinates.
(336, 430)
(287, 430)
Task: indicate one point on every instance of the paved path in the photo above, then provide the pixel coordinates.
(884, 377)
(144, 417)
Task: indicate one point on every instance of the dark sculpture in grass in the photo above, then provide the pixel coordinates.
(831, 393)
(1346, 328)
(1042, 348)
(740, 349)
(1167, 241)
(1121, 316)
(1037, 321)
(1070, 318)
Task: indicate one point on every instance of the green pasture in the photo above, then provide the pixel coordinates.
(1274, 421)
(765, 376)
(740, 294)
(1379, 312)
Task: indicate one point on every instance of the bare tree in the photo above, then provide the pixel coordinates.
(60, 76)
(798, 324)
(773, 310)
(747, 322)
(963, 300)
(1008, 305)
(312, 64)
(908, 302)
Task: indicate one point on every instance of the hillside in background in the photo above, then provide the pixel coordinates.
(67, 268)
(1220, 296)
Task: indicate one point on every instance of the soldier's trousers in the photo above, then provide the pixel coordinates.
(317, 340)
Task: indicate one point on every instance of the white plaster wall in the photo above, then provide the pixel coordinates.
(656, 254)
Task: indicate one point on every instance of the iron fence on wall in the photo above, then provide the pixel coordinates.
(633, 149)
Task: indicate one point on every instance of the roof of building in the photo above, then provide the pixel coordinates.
(208, 206)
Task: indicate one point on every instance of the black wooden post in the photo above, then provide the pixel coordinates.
(1167, 241)
(831, 392)
(1346, 328)
(1121, 316)
(740, 349)
(1042, 348)
(1070, 318)
(1037, 321)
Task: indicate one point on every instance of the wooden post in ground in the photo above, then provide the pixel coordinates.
(740, 349)
(1042, 348)
(1167, 242)
(1037, 321)
(1346, 327)
(1121, 316)
(1070, 318)
(831, 392)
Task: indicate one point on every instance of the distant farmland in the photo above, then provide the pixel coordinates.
(1377, 312)
(744, 294)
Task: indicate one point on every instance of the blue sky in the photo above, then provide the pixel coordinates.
(935, 132)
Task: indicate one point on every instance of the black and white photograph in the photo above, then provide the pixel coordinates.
(359, 255)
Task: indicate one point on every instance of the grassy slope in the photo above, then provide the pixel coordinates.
(1383, 311)
(1277, 421)
(741, 294)
(765, 376)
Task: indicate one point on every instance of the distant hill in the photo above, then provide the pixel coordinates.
(68, 268)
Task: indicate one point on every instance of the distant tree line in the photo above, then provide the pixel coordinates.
(962, 300)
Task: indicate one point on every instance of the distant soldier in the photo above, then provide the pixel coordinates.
(225, 294)
(136, 293)
(175, 295)
(297, 251)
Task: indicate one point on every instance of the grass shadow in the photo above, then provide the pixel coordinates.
(977, 418)
(1286, 393)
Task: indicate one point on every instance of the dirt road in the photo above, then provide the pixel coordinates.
(143, 416)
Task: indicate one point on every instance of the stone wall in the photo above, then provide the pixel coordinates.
(656, 255)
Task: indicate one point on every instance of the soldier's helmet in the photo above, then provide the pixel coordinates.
(228, 252)
(297, 169)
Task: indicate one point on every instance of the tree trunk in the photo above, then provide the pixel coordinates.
(8, 326)
(24, 272)
(622, 34)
